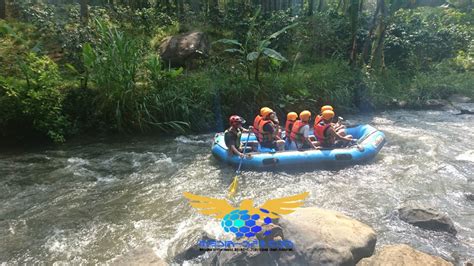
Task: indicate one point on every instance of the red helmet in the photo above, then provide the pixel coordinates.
(235, 119)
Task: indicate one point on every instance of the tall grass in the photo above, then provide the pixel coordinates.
(129, 94)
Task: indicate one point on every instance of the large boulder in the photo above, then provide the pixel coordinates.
(325, 237)
(427, 218)
(180, 49)
(402, 255)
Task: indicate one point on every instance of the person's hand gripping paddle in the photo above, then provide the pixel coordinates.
(234, 184)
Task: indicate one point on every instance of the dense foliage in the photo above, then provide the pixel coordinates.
(76, 67)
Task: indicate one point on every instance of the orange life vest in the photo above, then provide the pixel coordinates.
(320, 130)
(296, 135)
(267, 136)
(288, 127)
(256, 127)
(317, 120)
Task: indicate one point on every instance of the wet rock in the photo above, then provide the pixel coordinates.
(468, 263)
(401, 255)
(470, 196)
(427, 218)
(457, 98)
(251, 257)
(180, 49)
(465, 112)
(187, 248)
(435, 103)
(326, 237)
(139, 256)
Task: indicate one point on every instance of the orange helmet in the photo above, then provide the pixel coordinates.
(263, 110)
(327, 115)
(305, 115)
(266, 112)
(327, 107)
(292, 116)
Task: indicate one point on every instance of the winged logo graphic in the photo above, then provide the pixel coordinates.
(245, 220)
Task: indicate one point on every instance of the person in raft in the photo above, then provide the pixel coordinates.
(232, 135)
(300, 133)
(327, 135)
(290, 120)
(338, 126)
(269, 131)
(256, 123)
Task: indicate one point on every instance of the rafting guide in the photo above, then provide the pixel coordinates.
(246, 221)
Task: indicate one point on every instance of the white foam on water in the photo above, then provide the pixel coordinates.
(466, 156)
(187, 140)
(77, 161)
(182, 229)
(106, 179)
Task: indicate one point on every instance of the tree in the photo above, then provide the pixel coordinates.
(3, 9)
(310, 7)
(84, 11)
(250, 54)
(354, 19)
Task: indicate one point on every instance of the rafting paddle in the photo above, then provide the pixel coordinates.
(233, 185)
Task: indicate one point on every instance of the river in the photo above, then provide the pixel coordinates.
(89, 202)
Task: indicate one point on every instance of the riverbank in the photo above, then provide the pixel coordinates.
(118, 72)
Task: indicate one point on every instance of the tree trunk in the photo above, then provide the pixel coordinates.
(310, 7)
(214, 8)
(84, 11)
(354, 18)
(368, 40)
(3, 9)
(257, 66)
(320, 5)
(181, 7)
(377, 58)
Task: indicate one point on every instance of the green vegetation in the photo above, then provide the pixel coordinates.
(83, 67)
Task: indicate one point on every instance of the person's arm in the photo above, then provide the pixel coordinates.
(236, 151)
(246, 130)
(307, 138)
(333, 132)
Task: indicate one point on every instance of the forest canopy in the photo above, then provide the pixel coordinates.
(94, 66)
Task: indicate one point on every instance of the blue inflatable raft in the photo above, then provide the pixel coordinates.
(369, 142)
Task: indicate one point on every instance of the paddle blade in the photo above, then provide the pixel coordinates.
(233, 187)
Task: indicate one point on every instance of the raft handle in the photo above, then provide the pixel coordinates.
(270, 161)
(344, 157)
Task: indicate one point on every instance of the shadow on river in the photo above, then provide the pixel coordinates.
(89, 203)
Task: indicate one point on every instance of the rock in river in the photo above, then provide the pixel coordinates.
(320, 237)
(402, 255)
(427, 218)
(326, 237)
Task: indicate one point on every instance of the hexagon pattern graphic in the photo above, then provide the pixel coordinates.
(242, 223)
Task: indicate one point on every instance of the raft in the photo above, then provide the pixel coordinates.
(368, 144)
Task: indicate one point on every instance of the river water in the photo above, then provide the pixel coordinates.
(90, 202)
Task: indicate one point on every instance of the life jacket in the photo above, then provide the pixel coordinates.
(320, 130)
(288, 127)
(296, 135)
(267, 136)
(317, 120)
(256, 127)
(237, 140)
